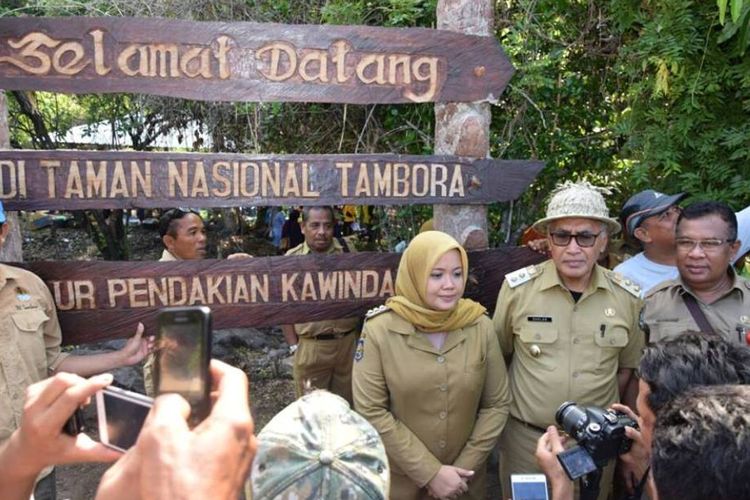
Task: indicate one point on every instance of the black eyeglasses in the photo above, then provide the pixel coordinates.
(562, 238)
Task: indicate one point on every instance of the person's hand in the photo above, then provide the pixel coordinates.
(239, 255)
(540, 246)
(633, 464)
(136, 348)
(449, 482)
(171, 461)
(548, 446)
(40, 441)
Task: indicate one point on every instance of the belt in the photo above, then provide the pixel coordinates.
(530, 426)
(331, 336)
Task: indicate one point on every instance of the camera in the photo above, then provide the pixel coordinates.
(600, 435)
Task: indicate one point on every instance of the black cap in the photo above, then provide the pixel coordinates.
(645, 204)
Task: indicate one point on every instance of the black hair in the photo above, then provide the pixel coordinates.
(168, 220)
(672, 366)
(701, 447)
(306, 212)
(702, 209)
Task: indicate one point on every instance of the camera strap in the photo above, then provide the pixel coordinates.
(697, 314)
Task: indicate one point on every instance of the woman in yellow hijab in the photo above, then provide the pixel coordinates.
(429, 376)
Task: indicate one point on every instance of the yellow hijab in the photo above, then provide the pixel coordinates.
(411, 284)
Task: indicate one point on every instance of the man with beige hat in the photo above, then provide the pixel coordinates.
(567, 327)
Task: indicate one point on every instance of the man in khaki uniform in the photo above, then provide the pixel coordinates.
(30, 340)
(323, 350)
(568, 327)
(707, 244)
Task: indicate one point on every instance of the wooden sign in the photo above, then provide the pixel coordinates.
(100, 300)
(249, 61)
(69, 180)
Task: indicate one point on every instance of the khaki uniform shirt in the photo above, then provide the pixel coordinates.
(167, 256)
(431, 406)
(665, 314)
(29, 341)
(562, 350)
(314, 328)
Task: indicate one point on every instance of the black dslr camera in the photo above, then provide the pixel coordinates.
(600, 435)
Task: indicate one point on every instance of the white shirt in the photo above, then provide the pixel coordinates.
(648, 273)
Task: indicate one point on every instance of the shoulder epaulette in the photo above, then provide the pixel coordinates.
(625, 283)
(376, 310)
(523, 275)
(661, 286)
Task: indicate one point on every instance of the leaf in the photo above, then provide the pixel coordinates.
(722, 4)
(736, 9)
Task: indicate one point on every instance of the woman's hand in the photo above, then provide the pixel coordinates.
(449, 482)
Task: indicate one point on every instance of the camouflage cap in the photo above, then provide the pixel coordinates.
(317, 447)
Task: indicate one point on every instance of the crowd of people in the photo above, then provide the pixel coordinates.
(430, 380)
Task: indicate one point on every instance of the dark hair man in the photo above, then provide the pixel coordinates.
(702, 445)
(183, 234)
(649, 218)
(708, 295)
(667, 370)
(30, 349)
(569, 327)
(323, 350)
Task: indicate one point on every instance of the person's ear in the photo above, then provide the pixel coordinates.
(168, 241)
(734, 248)
(641, 234)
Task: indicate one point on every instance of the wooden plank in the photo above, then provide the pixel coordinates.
(250, 61)
(100, 300)
(69, 180)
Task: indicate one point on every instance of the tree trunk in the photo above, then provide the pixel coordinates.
(463, 128)
(11, 250)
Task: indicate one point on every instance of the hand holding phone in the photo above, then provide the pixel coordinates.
(183, 352)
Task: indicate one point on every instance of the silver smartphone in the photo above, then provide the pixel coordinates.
(529, 486)
(121, 415)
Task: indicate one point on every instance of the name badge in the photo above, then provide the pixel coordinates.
(539, 319)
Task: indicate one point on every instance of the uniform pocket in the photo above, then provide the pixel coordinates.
(29, 321)
(610, 342)
(535, 346)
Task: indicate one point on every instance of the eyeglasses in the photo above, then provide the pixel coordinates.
(710, 245)
(584, 240)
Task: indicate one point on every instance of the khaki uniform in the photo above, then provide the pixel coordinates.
(30, 339)
(665, 314)
(561, 351)
(431, 406)
(325, 363)
(148, 366)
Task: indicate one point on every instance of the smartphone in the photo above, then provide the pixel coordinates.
(183, 351)
(529, 486)
(121, 414)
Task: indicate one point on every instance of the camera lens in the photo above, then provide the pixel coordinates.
(571, 417)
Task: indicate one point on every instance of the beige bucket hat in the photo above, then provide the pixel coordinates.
(579, 200)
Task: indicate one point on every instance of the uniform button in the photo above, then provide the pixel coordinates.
(575, 374)
(442, 443)
(611, 341)
(443, 415)
(441, 359)
(443, 387)
(537, 336)
(575, 340)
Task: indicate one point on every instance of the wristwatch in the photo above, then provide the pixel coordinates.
(293, 349)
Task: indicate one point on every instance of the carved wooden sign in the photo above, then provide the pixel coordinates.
(250, 61)
(56, 180)
(100, 300)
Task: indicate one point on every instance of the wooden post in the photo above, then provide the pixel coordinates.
(10, 250)
(464, 128)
